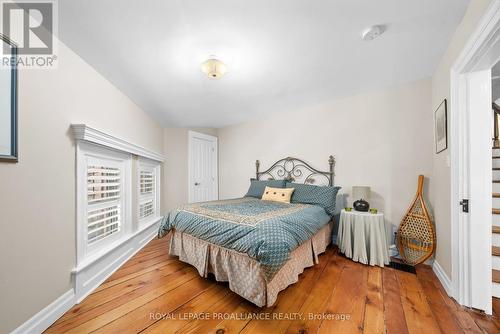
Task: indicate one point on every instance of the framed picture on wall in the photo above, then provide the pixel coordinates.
(8, 102)
(441, 127)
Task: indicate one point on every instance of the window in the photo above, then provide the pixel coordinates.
(117, 204)
(103, 197)
(149, 190)
(103, 202)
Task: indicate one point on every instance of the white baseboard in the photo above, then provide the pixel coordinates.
(87, 280)
(46, 317)
(443, 278)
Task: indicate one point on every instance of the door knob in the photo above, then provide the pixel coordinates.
(196, 184)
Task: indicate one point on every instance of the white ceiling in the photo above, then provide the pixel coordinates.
(281, 54)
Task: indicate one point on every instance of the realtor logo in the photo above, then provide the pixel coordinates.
(31, 26)
(36, 22)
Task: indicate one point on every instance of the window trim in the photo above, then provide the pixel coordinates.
(83, 132)
(85, 252)
(92, 269)
(156, 167)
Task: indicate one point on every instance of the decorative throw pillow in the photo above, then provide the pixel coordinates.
(324, 196)
(277, 194)
(257, 187)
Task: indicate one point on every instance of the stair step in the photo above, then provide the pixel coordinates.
(495, 275)
(495, 211)
(495, 157)
(496, 195)
(495, 229)
(496, 168)
(495, 251)
(496, 181)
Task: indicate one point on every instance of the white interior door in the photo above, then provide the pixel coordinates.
(471, 163)
(202, 178)
(479, 187)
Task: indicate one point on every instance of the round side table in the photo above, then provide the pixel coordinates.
(362, 238)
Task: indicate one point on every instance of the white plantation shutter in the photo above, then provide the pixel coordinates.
(148, 190)
(104, 199)
(146, 209)
(102, 223)
(103, 183)
(147, 180)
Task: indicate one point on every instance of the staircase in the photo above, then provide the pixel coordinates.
(495, 240)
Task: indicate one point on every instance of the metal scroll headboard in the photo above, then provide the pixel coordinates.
(296, 170)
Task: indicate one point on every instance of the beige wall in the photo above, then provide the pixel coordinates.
(37, 195)
(440, 187)
(175, 170)
(381, 139)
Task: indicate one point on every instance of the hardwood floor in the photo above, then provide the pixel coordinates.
(155, 293)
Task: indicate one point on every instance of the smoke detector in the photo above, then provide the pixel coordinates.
(372, 32)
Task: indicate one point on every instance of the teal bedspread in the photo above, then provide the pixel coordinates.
(266, 231)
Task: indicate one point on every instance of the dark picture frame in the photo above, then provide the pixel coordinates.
(13, 156)
(441, 127)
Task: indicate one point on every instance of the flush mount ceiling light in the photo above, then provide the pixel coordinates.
(214, 68)
(372, 32)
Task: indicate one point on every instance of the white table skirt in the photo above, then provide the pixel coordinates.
(362, 237)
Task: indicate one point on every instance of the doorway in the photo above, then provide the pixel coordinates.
(471, 164)
(202, 168)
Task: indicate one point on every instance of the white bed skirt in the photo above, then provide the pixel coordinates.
(244, 274)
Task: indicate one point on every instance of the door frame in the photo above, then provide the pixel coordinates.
(191, 136)
(480, 53)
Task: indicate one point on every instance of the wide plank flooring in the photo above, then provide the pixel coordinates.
(156, 293)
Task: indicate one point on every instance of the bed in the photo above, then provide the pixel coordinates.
(259, 247)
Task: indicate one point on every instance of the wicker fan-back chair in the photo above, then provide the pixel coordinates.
(416, 239)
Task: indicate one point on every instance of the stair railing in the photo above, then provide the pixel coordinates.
(496, 114)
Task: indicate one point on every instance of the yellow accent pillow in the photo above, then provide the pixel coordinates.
(282, 195)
